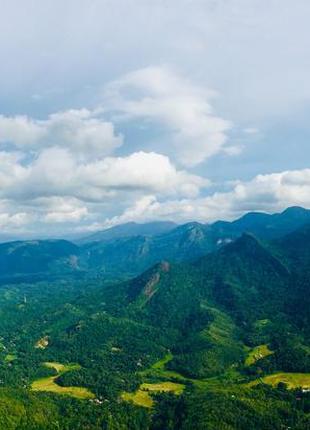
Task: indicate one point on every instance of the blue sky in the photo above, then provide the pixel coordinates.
(114, 111)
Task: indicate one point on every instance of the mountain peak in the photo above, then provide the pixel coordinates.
(246, 242)
(130, 229)
(295, 211)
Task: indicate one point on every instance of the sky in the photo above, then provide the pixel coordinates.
(138, 110)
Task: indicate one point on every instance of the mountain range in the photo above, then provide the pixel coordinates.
(126, 250)
(194, 327)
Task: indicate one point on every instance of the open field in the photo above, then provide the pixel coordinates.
(171, 387)
(50, 384)
(10, 357)
(61, 368)
(257, 353)
(158, 370)
(142, 396)
(161, 363)
(293, 380)
(139, 398)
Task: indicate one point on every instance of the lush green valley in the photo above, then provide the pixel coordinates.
(214, 334)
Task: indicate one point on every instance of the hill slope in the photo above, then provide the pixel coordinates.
(206, 331)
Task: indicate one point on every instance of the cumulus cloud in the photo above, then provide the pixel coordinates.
(61, 209)
(269, 193)
(56, 172)
(162, 96)
(77, 130)
(13, 221)
(55, 187)
(64, 170)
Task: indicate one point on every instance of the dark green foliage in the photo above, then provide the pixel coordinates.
(204, 316)
(262, 408)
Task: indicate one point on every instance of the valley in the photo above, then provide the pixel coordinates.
(217, 341)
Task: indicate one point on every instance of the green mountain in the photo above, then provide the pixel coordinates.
(37, 258)
(127, 250)
(131, 255)
(219, 341)
(266, 226)
(128, 230)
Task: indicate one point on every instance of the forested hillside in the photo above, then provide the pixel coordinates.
(125, 251)
(215, 337)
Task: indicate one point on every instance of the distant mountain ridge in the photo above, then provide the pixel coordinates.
(129, 229)
(129, 249)
(213, 310)
(266, 226)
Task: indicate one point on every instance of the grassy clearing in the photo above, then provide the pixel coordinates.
(293, 380)
(61, 368)
(10, 357)
(160, 365)
(139, 398)
(161, 387)
(257, 353)
(158, 370)
(50, 383)
(142, 396)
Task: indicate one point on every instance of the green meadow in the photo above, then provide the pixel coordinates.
(257, 353)
(292, 380)
(49, 383)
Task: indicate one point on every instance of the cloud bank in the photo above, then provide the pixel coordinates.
(74, 170)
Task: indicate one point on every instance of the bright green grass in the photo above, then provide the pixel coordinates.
(142, 396)
(158, 370)
(162, 363)
(61, 368)
(257, 353)
(10, 357)
(166, 386)
(139, 398)
(50, 384)
(293, 380)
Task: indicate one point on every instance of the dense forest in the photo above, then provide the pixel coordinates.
(195, 327)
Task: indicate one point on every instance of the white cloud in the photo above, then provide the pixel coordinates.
(14, 221)
(55, 172)
(11, 169)
(20, 130)
(241, 48)
(79, 131)
(159, 95)
(142, 171)
(270, 193)
(60, 209)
